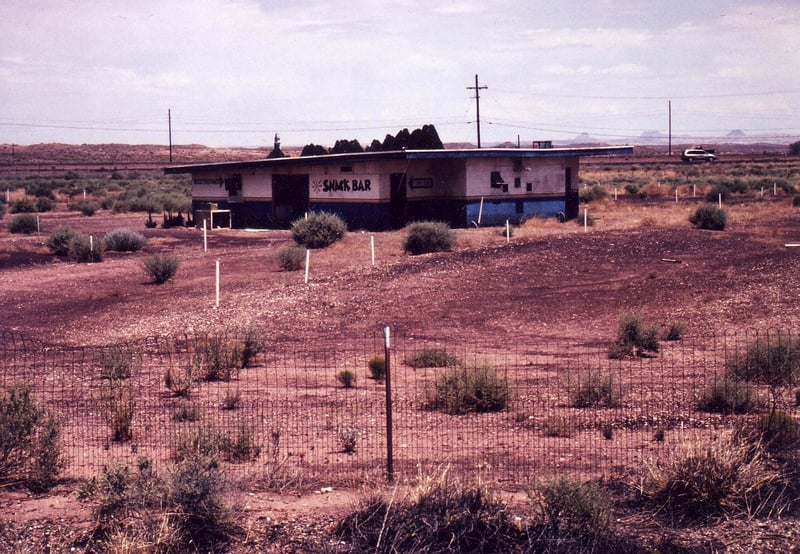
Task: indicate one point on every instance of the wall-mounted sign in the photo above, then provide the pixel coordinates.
(341, 185)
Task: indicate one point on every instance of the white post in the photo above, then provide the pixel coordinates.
(720, 200)
(676, 195)
(508, 232)
(615, 194)
(216, 285)
(372, 247)
(308, 260)
(480, 211)
(84, 194)
(585, 220)
(211, 219)
(694, 191)
(762, 192)
(774, 189)
(91, 243)
(205, 236)
(38, 228)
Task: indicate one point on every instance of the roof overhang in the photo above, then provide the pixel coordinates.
(405, 155)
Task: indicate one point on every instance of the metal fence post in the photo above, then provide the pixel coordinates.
(389, 458)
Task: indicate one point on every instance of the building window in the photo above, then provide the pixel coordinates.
(517, 182)
(528, 187)
(421, 183)
(497, 182)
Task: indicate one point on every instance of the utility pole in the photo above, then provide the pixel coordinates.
(670, 126)
(477, 90)
(169, 122)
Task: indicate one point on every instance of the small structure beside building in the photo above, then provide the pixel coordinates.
(382, 190)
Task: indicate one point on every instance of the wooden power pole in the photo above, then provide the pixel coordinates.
(477, 90)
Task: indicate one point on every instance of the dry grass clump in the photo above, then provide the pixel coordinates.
(724, 478)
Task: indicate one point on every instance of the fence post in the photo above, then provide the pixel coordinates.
(389, 457)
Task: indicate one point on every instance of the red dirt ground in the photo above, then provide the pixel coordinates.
(551, 281)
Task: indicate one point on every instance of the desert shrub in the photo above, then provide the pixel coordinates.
(557, 426)
(347, 378)
(591, 193)
(180, 379)
(86, 207)
(291, 257)
(771, 359)
(161, 267)
(377, 368)
(437, 518)
(718, 191)
(30, 440)
(476, 389)
(318, 230)
(674, 331)
(59, 240)
(794, 148)
(252, 345)
(221, 358)
(116, 362)
(22, 224)
(709, 217)
(84, 249)
(775, 431)
(425, 237)
(240, 445)
(723, 479)
(2, 210)
(634, 338)
(347, 436)
(728, 396)
(595, 388)
(210, 443)
(231, 399)
(124, 240)
(795, 201)
(119, 408)
(570, 508)
(24, 205)
(431, 357)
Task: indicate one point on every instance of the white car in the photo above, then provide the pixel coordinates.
(698, 155)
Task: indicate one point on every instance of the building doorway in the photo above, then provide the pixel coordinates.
(289, 198)
(571, 199)
(398, 211)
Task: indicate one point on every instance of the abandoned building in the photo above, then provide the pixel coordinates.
(382, 190)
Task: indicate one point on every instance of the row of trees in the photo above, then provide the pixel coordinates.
(425, 138)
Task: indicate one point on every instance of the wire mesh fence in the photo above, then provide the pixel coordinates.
(288, 411)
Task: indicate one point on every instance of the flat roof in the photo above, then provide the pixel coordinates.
(461, 153)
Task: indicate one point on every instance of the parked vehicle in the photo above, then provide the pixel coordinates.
(698, 155)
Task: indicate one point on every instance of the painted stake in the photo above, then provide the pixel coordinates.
(774, 189)
(372, 247)
(205, 236)
(676, 195)
(91, 243)
(720, 200)
(308, 260)
(480, 211)
(694, 191)
(615, 194)
(38, 228)
(508, 232)
(216, 285)
(585, 220)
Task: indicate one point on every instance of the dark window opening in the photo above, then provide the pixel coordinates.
(528, 187)
(517, 182)
(497, 181)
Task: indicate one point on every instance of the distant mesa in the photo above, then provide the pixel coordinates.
(736, 133)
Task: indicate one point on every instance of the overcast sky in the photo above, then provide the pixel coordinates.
(235, 72)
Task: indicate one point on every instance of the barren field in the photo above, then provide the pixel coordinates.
(552, 284)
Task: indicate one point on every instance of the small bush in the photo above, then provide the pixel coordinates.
(437, 517)
(796, 200)
(44, 204)
(674, 331)
(723, 479)
(86, 207)
(118, 412)
(186, 412)
(252, 346)
(377, 368)
(22, 224)
(30, 440)
(634, 338)
(318, 230)
(84, 249)
(592, 193)
(428, 236)
(161, 267)
(595, 388)
(180, 380)
(557, 426)
(240, 446)
(771, 359)
(22, 206)
(728, 396)
(59, 240)
(124, 240)
(347, 378)
(462, 390)
(709, 217)
(221, 358)
(116, 362)
(632, 189)
(347, 436)
(291, 258)
(431, 357)
(776, 431)
(569, 508)
(231, 399)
